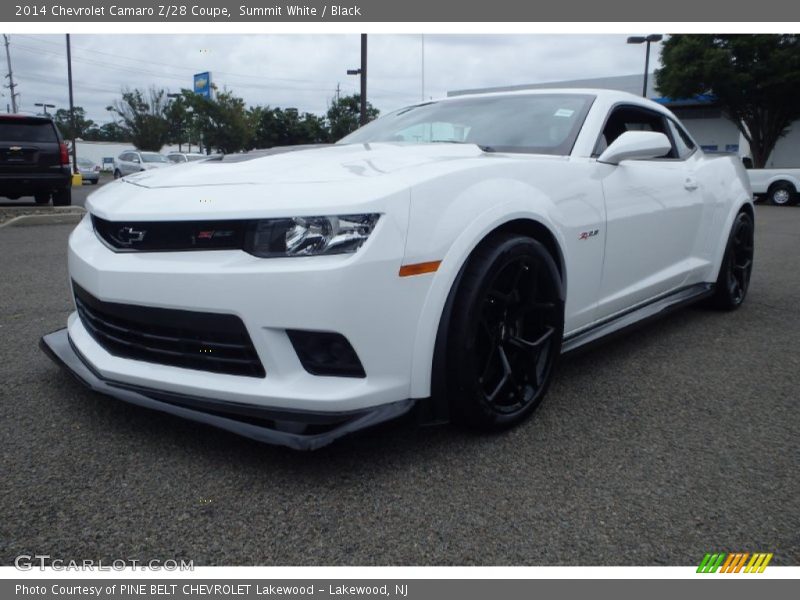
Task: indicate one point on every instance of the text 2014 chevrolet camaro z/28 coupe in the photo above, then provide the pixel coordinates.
(441, 257)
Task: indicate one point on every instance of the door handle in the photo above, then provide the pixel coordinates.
(690, 183)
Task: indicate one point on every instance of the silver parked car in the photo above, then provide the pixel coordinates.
(133, 161)
(89, 170)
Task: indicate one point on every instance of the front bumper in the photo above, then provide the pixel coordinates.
(300, 430)
(359, 296)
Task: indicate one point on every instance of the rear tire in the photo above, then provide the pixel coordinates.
(504, 335)
(41, 198)
(733, 280)
(782, 193)
(62, 197)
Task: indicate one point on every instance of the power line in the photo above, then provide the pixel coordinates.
(182, 68)
(168, 76)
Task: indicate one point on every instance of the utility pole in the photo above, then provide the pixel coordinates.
(338, 91)
(10, 75)
(363, 72)
(71, 108)
(363, 119)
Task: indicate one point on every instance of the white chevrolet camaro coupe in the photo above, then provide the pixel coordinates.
(439, 260)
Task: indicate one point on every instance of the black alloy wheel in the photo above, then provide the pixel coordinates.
(737, 265)
(505, 333)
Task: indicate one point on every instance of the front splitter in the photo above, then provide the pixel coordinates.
(271, 426)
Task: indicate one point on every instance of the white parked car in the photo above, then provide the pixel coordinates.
(184, 157)
(438, 259)
(134, 161)
(779, 186)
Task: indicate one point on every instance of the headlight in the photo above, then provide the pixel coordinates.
(310, 236)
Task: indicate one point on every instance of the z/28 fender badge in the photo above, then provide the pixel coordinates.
(585, 235)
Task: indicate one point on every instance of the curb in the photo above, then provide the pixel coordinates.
(52, 219)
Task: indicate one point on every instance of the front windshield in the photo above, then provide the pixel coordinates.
(540, 123)
(152, 157)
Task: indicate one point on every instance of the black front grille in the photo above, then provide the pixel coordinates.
(166, 236)
(180, 338)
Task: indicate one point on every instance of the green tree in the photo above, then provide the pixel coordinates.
(755, 79)
(343, 116)
(286, 127)
(222, 121)
(64, 123)
(108, 132)
(143, 116)
(179, 120)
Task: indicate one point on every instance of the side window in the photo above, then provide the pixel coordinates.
(683, 143)
(124, 157)
(134, 157)
(632, 118)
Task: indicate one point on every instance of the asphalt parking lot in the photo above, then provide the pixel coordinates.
(79, 195)
(677, 440)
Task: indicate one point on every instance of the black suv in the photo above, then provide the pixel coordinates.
(34, 160)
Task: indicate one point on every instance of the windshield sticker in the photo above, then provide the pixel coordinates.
(564, 112)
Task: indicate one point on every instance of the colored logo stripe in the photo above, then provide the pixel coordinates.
(734, 562)
(758, 563)
(711, 563)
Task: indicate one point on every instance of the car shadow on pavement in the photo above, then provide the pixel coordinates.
(151, 428)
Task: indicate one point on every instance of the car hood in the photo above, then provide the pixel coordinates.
(337, 179)
(314, 165)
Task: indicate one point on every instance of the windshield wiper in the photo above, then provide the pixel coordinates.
(483, 147)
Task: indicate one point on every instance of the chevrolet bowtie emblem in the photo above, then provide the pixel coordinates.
(129, 235)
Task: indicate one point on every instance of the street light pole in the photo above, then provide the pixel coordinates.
(174, 97)
(422, 69)
(647, 40)
(71, 108)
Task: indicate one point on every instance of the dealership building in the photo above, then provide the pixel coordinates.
(701, 116)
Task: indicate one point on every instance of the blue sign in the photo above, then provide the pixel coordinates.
(202, 84)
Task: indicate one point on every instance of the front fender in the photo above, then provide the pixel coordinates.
(521, 202)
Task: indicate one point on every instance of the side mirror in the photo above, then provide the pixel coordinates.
(633, 145)
(135, 159)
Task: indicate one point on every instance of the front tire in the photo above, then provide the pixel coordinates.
(781, 193)
(733, 280)
(504, 334)
(117, 174)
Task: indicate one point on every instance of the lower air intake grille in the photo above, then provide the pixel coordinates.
(180, 338)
